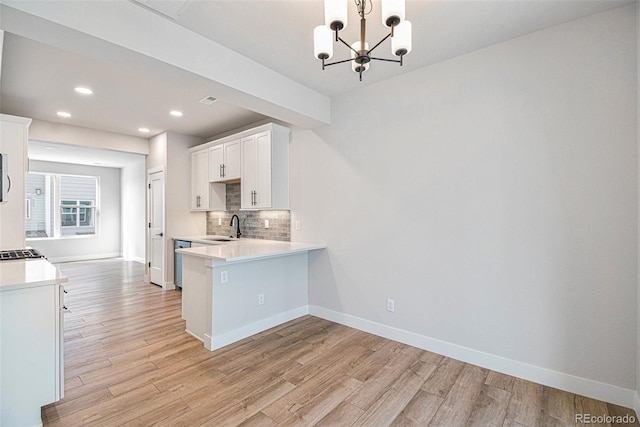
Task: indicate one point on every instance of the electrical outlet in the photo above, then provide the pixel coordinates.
(260, 299)
(266, 223)
(224, 277)
(219, 221)
(391, 305)
(298, 225)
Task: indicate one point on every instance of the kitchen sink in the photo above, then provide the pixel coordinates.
(218, 239)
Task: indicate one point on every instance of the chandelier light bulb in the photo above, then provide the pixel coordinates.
(392, 12)
(401, 40)
(335, 14)
(322, 42)
(356, 67)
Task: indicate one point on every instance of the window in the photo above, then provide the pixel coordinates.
(61, 205)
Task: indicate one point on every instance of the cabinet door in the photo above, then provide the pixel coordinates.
(249, 172)
(262, 197)
(29, 337)
(200, 180)
(216, 163)
(13, 142)
(232, 158)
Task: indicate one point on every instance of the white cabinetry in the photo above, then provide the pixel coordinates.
(204, 196)
(224, 162)
(14, 134)
(265, 169)
(31, 344)
(259, 157)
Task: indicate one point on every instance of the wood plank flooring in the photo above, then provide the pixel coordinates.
(129, 362)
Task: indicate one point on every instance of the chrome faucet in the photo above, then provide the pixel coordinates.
(237, 223)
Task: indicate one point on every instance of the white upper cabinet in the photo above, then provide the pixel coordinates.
(258, 157)
(265, 169)
(224, 162)
(204, 195)
(200, 180)
(14, 134)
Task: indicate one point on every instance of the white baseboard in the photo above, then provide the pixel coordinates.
(84, 257)
(169, 286)
(583, 386)
(636, 404)
(219, 341)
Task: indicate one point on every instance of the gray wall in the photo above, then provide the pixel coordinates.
(494, 198)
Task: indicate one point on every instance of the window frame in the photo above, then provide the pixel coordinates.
(57, 206)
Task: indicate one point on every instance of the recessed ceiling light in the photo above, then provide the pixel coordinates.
(63, 114)
(176, 113)
(49, 148)
(143, 130)
(84, 90)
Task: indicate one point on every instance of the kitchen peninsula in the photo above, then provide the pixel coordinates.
(232, 290)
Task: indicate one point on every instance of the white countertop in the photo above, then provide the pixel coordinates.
(21, 274)
(247, 249)
(207, 239)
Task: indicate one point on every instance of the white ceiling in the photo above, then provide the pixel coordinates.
(38, 79)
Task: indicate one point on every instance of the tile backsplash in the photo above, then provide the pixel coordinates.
(251, 222)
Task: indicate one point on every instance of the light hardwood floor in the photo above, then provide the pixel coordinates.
(129, 362)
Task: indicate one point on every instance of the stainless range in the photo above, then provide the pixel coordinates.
(14, 254)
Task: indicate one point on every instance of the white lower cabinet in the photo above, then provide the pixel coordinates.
(32, 352)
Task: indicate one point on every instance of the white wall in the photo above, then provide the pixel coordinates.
(171, 151)
(133, 177)
(57, 132)
(107, 243)
(179, 220)
(133, 217)
(494, 198)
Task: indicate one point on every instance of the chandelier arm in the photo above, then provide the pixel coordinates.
(339, 62)
(348, 45)
(378, 44)
(399, 61)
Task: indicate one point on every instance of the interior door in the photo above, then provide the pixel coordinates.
(156, 228)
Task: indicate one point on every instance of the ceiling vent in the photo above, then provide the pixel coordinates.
(170, 8)
(208, 100)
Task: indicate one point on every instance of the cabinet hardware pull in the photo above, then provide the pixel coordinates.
(224, 172)
(221, 173)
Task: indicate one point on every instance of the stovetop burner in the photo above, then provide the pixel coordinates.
(14, 254)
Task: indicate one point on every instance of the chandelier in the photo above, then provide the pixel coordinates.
(335, 16)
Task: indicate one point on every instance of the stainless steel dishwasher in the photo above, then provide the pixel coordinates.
(177, 258)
